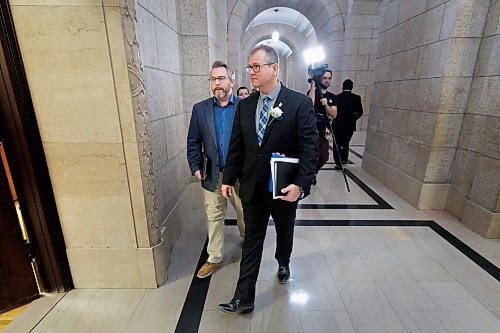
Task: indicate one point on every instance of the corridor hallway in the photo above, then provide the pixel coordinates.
(364, 261)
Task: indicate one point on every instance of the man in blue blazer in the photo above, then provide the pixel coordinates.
(208, 142)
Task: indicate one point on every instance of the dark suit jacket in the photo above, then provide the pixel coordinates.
(202, 135)
(295, 135)
(349, 109)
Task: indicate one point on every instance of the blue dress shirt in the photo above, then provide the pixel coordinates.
(223, 120)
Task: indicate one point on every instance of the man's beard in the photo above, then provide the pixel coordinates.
(220, 93)
(323, 86)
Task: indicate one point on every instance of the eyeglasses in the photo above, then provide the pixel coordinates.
(256, 68)
(219, 78)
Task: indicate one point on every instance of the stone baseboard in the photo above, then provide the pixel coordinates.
(134, 267)
(419, 195)
(481, 220)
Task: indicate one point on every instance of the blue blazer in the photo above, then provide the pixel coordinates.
(202, 137)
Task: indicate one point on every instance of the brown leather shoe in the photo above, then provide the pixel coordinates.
(206, 270)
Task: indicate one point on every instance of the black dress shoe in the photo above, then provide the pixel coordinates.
(314, 180)
(338, 167)
(235, 306)
(283, 274)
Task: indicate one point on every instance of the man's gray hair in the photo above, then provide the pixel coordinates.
(219, 64)
(271, 54)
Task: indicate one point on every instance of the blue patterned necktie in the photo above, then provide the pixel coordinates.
(264, 116)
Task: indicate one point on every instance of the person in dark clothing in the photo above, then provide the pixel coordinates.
(324, 105)
(349, 110)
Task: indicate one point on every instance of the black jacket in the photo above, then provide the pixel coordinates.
(349, 109)
(295, 135)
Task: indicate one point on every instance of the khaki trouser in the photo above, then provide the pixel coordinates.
(215, 208)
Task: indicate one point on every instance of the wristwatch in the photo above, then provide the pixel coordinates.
(301, 195)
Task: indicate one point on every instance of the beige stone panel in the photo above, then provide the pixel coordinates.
(484, 97)
(403, 155)
(462, 56)
(402, 184)
(193, 17)
(195, 55)
(112, 268)
(486, 185)
(425, 28)
(492, 25)
(494, 231)
(167, 41)
(433, 196)
(99, 221)
(92, 194)
(471, 18)
(455, 203)
(420, 127)
(432, 59)
(404, 64)
(410, 8)
(173, 22)
(72, 163)
(488, 63)
(57, 2)
(158, 8)
(146, 37)
(111, 3)
(454, 94)
(447, 129)
(66, 56)
(137, 194)
(439, 165)
(120, 73)
(389, 14)
(481, 220)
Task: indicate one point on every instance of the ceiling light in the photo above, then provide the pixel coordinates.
(276, 36)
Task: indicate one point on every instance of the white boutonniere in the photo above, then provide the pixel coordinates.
(276, 112)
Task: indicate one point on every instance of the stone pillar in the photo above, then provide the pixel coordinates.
(76, 67)
(475, 173)
(360, 45)
(425, 61)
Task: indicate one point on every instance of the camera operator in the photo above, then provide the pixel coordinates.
(324, 106)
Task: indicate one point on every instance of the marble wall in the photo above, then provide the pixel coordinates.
(76, 67)
(475, 172)
(426, 58)
(360, 46)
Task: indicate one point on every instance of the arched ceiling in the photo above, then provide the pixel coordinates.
(282, 48)
(282, 15)
(318, 12)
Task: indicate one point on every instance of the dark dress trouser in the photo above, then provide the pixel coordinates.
(342, 137)
(256, 215)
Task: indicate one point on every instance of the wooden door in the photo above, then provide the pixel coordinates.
(17, 278)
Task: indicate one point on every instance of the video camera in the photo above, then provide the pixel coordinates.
(317, 72)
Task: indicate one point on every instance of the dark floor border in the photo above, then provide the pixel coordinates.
(356, 153)
(192, 311)
(190, 317)
(482, 262)
(381, 203)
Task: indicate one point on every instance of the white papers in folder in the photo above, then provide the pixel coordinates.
(283, 172)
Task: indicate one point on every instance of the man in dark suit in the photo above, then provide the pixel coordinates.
(256, 135)
(208, 139)
(349, 110)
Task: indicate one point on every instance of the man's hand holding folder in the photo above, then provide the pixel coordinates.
(283, 172)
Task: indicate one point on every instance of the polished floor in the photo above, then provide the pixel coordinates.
(363, 261)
